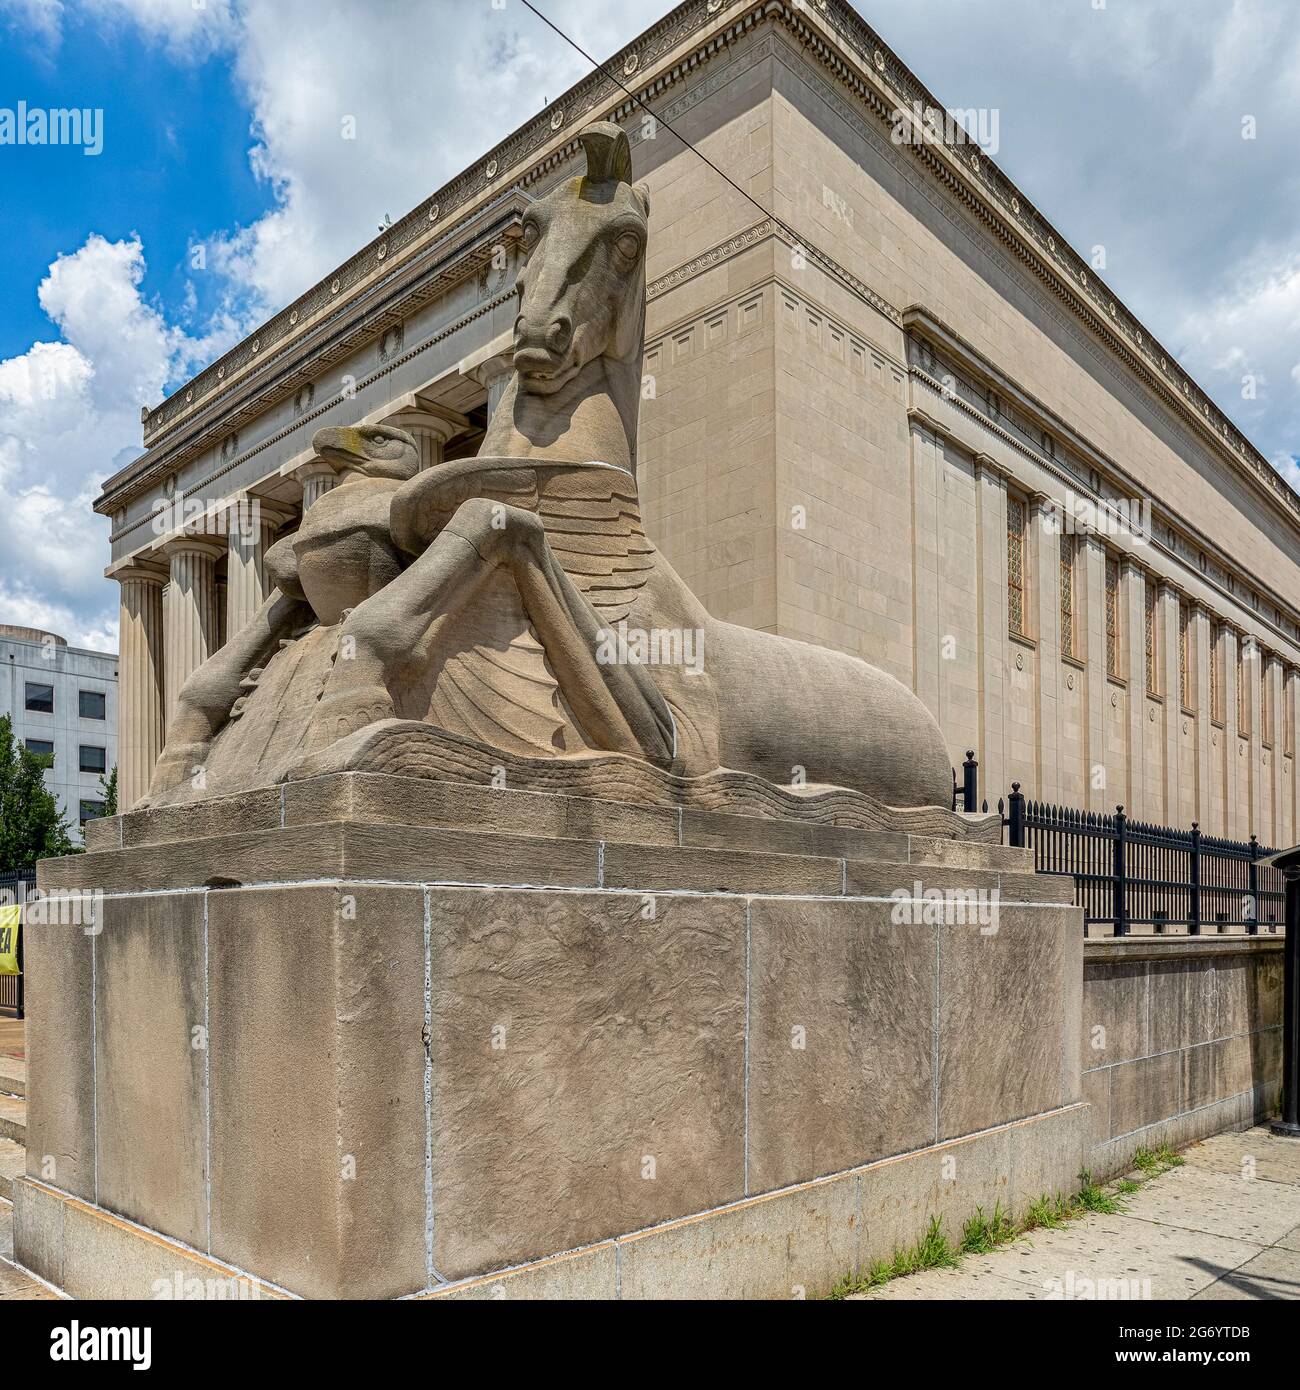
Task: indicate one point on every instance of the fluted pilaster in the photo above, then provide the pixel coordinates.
(317, 478)
(490, 368)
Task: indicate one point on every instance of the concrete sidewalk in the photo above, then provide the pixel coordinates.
(1226, 1225)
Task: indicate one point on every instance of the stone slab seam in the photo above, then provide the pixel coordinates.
(1191, 1047)
(94, 1063)
(748, 967)
(427, 1039)
(935, 1029)
(334, 882)
(207, 1078)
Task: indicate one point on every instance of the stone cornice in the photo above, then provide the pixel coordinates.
(839, 40)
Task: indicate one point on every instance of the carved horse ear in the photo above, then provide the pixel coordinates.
(642, 197)
(609, 156)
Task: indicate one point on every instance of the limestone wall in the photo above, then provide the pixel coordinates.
(1181, 1039)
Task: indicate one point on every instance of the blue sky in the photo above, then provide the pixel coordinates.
(1122, 119)
(174, 162)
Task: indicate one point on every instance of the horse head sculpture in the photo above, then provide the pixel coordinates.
(580, 329)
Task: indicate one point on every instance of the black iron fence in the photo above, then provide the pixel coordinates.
(14, 888)
(1129, 873)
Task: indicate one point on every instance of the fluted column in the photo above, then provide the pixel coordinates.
(433, 426)
(140, 681)
(191, 612)
(316, 477)
(251, 529)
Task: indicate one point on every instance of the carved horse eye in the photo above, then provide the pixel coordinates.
(531, 236)
(629, 246)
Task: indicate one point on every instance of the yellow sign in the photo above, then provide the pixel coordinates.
(11, 919)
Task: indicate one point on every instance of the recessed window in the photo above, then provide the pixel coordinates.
(1067, 594)
(93, 759)
(40, 698)
(1152, 639)
(92, 704)
(1245, 655)
(1265, 705)
(42, 747)
(1185, 654)
(1288, 714)
(1112, 617)
(1016, 565)
(92, 810)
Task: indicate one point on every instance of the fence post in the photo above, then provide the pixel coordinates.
(22, 974)
(1252, 927)
(1016, 817)
(1120, 875)
(1194, 894)
(970, 781)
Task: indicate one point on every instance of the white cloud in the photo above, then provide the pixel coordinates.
(69, 415)
(39, 20)
(422, 95)
(190, 29)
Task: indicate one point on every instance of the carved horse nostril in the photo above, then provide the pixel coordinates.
(560, 334)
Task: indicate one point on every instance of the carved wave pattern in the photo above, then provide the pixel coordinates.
(408, 749)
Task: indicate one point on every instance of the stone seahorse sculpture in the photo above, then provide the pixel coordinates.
(491, 597)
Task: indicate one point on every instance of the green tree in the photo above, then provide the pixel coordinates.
(31, 825)
(108, 785)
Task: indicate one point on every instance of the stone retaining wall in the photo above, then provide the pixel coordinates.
(1181, 1039)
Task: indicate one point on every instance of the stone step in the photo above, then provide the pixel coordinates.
(13, 1119)
(13, 1076)
(405, 853)
(785, 826)
(13, 1160)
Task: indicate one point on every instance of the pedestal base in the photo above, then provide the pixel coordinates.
(364, 1056)
(797, 1242)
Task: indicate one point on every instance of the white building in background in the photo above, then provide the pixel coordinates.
(62, 700)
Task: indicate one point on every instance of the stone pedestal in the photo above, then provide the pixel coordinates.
(361, 1036)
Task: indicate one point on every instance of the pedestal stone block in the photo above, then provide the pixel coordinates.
(151, 1066)
(357, 1039)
